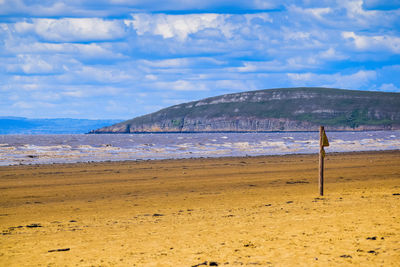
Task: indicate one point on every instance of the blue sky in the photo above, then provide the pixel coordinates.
(107, 59)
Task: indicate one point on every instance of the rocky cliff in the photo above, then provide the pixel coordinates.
(285, 109)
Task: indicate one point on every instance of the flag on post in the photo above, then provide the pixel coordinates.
(324, 142)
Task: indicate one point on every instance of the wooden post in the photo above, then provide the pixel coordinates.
(321, 162)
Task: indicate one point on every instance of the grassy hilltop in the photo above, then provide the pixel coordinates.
(284, 109)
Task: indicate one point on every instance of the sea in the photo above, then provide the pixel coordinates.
(72, 148)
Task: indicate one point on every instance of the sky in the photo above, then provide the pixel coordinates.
(118, 59)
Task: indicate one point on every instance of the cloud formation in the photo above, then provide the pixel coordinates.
(177, 26)
(120, 59)
(383, 43)
(66, 30)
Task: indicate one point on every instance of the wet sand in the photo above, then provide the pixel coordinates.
(255, 211)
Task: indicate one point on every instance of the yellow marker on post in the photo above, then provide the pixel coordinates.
(324, 142)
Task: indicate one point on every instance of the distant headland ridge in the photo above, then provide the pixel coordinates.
(283, 109)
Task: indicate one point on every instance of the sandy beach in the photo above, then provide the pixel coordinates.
(250, 211)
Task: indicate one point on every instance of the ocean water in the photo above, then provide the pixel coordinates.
(47, 149)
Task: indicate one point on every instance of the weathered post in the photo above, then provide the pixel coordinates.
(321, 162)
(323, 141)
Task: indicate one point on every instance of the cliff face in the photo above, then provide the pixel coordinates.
(286, 109)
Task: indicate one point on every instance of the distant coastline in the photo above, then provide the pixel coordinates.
(273, 110)
(21, 125)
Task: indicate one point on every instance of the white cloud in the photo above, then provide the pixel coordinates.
(355, 10)
(97, 51)
(101, 74)
(23, 27)
(182, 85)
(45, 96)
(310, 13)
(296, 35)
(30, 87)
(265, 17)
(31, 64)
(76, 94)
(177, 26)
(332, 54)
(35, 8)
(358, 80)
(89, 91)
(319, 12)
(302, 62)
(263, 4)
(363, 18)
(73, 29)
(23, 105)
(32, 105)
(151, 77)
(389, 87)
(262, 66)
(237, 85)
(166, 63)
(374, 43)
(294, 63)
(179, 64)
(348, 14)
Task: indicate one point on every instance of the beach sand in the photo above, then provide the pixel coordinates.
(252, 211)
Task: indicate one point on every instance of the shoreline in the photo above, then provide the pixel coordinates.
(209, 132)
(228, 132)
(199, 158)
(15, 150)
